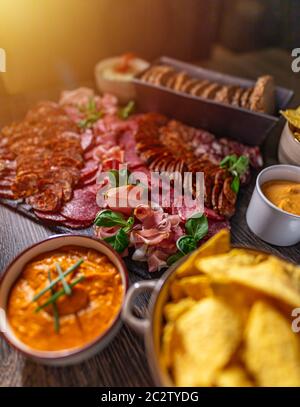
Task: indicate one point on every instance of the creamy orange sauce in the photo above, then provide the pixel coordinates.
(84, 315)
(284, 194)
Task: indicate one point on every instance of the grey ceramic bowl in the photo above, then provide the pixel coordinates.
(66, 357)
(266, 220)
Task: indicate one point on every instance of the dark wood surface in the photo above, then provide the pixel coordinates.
(123, 362)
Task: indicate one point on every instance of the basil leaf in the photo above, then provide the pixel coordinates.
(186, 244)
(237, 166)
(109, 218)
(91, 106)
(119, 241)
(235, 185)
(175, 257)
(127, 110)
(130, 222)
(197, 226)
(228, 161)
(241, 165)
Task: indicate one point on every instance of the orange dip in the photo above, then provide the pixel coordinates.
(284, 194)
(84, 315)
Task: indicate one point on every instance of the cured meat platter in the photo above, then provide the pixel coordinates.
(53, 161)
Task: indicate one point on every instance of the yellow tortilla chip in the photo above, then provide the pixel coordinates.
(176, 290)
(239, 297)
(297, 135)
(167, 346)
(272, 350)
(196, 287)
(219, 243)
(233, 376)
(207, 336)
(174, 311)
(268, 276)
(292, 116)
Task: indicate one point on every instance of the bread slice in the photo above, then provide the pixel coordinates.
(199, 87)
(181, 78)
(171, 80)
(147, 74)
(225, 94)
(188, 85)
(263, 96)
(160, 74)
(244, 100)
(236, 99)
(211, 91)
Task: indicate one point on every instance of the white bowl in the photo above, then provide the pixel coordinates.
(65, 357)
(289, 147)
(124, 90)
(266, 220)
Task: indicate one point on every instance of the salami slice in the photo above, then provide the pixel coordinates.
(50, 216)
(90, 169)
(6, 193)
(6, 182)
(215, 226)
(76, 225)
(47, 201)
(89, 181)
(82, 208)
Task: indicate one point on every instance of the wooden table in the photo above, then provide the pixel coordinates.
(123, 362)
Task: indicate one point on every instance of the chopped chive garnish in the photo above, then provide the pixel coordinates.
(54, 282)
(55, 310)
(66, 286)
(58, 294)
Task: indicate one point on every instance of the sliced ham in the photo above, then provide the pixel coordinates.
(87, 140)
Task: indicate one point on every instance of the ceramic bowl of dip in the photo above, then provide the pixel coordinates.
(289, 147)
(268, 221)
(81, 326)
(119, 83)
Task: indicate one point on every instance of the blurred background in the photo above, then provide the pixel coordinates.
(58, 42)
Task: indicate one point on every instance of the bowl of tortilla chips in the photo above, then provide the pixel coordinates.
(224, 316)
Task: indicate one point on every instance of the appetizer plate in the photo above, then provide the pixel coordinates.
(13, 271)
(223, 120)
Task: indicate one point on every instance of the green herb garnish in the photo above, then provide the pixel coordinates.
(127, 110)
(175, 257)
(108, 218)
(186, 244)
(66, 286)
(58, 294)
(92, 115)
(237, 166)
(55, 309)
(196, 228)
(120, 241)
(58, 279)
